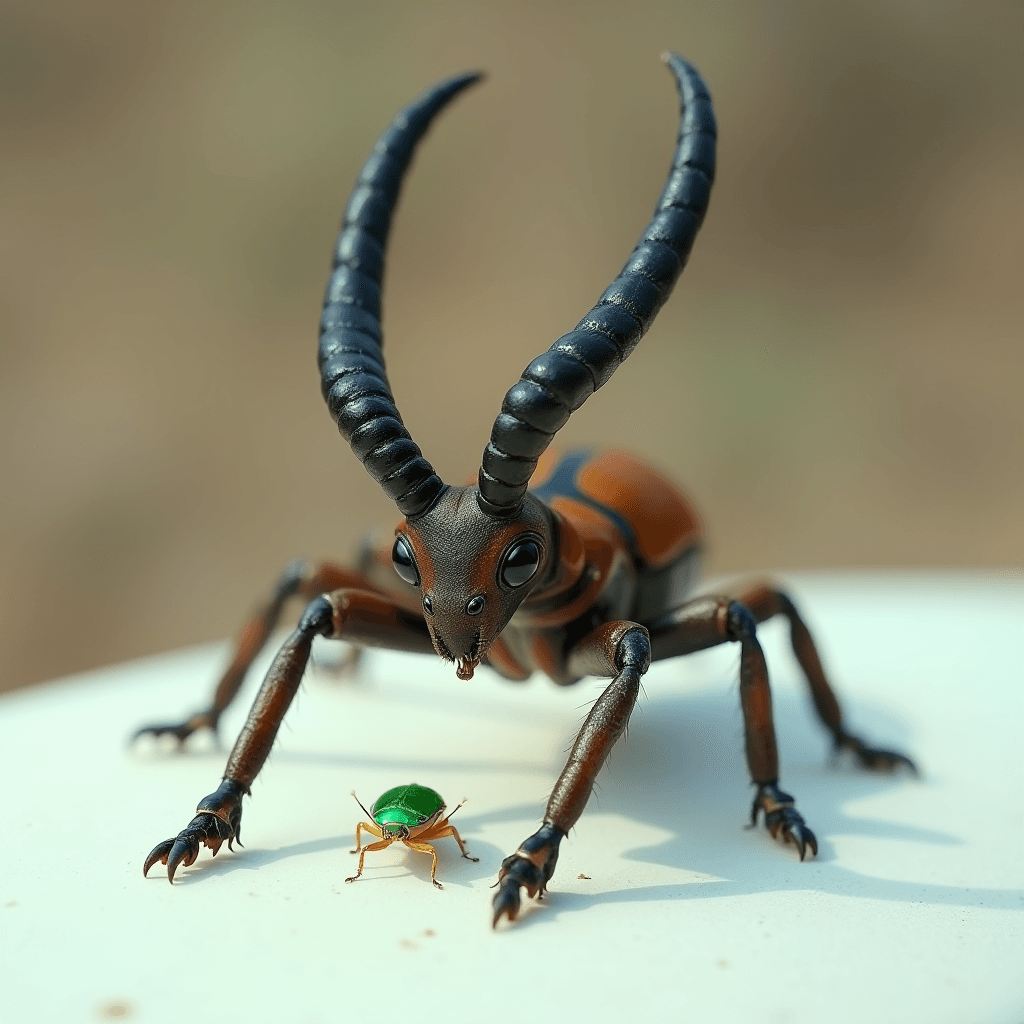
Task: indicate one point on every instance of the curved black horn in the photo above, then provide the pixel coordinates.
(558, 382)
(353, 378)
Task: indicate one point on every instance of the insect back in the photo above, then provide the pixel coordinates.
(404, 810)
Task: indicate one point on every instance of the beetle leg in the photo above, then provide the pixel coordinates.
(372, 848)
(357, 615)
(299, 579)
(444, 829)
(782, 819)
(707, 622)
(618, 649)
(218, 818)
(766, 602)
(419, 847)
(366, 826)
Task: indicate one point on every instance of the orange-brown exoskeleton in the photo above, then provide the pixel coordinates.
(573, 565)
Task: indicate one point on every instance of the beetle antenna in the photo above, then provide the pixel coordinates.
(457, 806)
(360, 802)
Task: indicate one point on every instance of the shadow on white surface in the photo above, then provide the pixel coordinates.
(912, 911)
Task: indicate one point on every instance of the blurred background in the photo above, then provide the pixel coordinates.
(837, 379)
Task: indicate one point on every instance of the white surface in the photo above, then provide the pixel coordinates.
(912, 912)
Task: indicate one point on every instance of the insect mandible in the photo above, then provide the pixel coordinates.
(573, 565)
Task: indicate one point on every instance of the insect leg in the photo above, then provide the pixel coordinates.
(765, 602)
(709, 621)
(299, 579)
(372, 848)
(618, 649)
(444, 829)
(365, 826)
(357, 615)
(426, 848)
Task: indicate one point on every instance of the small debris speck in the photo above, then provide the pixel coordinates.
(406, 944)
(429, 932)
(115, 1011)
(581, 875)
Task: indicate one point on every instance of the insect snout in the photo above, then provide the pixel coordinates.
(457, 643)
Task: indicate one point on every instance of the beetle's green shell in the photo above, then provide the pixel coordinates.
(407, 805)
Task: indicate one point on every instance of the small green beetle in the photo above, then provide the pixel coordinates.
(408, 814)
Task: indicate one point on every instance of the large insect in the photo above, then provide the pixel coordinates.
(573, 566)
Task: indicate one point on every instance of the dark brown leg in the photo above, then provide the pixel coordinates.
(355, 615)
(619, 649)
(766, 602)
(300, 579)
(707, 622)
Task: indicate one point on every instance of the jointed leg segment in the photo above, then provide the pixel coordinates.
(621, 649)
(706, 622)
(766, 602)
(625, 650)
(372, 848)
(299, 579)
(440, 830)
(345, 614)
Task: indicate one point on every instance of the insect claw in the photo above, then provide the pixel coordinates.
(179, 730)
(885, 761)
(782, 819)
(872, 758)
(207, 828)
(158, 853)
(185, 849)
(798, 840)
(812, 842)
(801, 837)
(507, 902)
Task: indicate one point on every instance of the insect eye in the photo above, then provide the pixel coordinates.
(405, 565)
(475, 605)
(520, 564)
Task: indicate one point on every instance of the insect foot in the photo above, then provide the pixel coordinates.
(218, 818)
(874, 759)
(532, 865)
(782, 819)
(180, 730)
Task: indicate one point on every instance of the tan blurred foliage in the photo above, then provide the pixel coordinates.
(837, 378)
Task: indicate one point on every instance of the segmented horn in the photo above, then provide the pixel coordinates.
(558, 382)
(353, 378)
